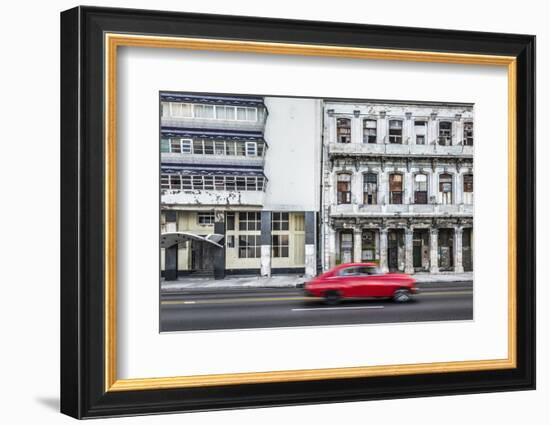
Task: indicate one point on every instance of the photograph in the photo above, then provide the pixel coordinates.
(311, 211)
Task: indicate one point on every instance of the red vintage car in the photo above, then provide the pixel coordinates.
(360, 280)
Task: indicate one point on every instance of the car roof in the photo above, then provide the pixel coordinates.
(343, 266)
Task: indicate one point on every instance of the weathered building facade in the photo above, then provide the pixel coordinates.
(397, 185)
(230, 204)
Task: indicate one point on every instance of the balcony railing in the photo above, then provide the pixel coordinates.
(397, 149)
(192, 198)
(404, 209)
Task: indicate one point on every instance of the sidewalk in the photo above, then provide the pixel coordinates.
(285, 281)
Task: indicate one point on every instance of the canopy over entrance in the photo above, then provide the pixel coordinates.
(170, 239)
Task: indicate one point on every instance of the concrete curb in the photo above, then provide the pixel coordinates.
(209, 289)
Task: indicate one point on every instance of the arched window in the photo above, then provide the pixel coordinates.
(369, 131)
(396, 188)
(343, 188)
(445, 133)
(370, 188)
(445, 189)
(343, 130)
(396, 131)
(468, 189)
(420, 189)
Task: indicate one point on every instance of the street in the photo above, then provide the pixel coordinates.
(248, 308)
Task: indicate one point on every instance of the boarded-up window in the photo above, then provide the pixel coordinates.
(343, 130)
(396, 189)
(420, 189)
(445, 188)
(420, 131)
(396, 131)
(445, 133)
(468, 133)
(369, 131)
(344, 188)
(370, 189)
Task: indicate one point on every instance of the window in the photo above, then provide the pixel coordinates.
(421, 189)
(205, 218)
(198, 182)
(186, 183)
(468, 189)
(279, 221)
(445, 133)
(175, 182)
(249, 246)
(396, 189)
(181, 110)
(396, 131)
(279, 246)
(343, 130)
(251, 149)
(164, 145)
(181, 146)
(198, 147)
(165, 109)
(165, 181)
(247, 114)
(369, 131)
(249, 221)
(230, 221)
(370, 188)
(219, 147)
(225, 113)
(420, 131)
(468, 133)
(344, 188)
(368, 245)
(445, 189)
(203, 111)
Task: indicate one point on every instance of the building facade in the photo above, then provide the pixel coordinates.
(397, 185)
(230, 204)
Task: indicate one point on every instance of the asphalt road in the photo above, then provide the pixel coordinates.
(268, 308)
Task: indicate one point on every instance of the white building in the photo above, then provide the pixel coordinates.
(244, 170)
(398, 185)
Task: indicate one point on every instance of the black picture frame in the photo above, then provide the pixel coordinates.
(83, 392)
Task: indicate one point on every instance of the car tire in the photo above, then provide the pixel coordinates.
(402, 296)
(332, 297)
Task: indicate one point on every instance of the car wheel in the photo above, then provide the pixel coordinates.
(332, 297)
(402, 296)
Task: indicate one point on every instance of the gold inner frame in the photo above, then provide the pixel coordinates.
(113, 41)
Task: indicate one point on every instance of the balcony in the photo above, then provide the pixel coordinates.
(379, 149)
(391, 210)
(193, 198)
(197, 159)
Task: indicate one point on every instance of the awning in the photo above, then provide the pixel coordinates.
(193, 133)
(217, 170)
(212, 99)
(170, 239)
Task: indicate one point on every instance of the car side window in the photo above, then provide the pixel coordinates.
(373, 270)
(350, 271)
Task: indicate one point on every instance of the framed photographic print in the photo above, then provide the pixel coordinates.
(261, 212)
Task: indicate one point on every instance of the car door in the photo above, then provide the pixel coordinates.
(373, 283)
(350, 282)
(362, 283)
